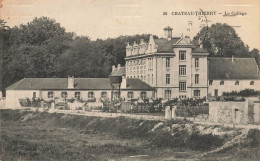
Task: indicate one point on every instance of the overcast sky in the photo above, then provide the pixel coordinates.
(111, 18)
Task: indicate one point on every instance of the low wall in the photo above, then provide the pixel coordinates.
(228, 112)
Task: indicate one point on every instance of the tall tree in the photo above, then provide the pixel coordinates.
(4, 44)
(83, 59)
(35, 49)
(222, 40)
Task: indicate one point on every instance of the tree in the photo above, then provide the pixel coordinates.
(35, 48)
(83, 59)
(4, 44)
(255, 54)
(222, 40)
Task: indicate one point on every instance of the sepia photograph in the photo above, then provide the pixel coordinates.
(129, 80)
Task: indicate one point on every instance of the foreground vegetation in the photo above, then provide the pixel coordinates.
(27, 135)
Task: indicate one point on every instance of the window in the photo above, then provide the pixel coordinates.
(34, 94)
(148, 78)
(90, 94)
(143, 95)
(64, 94)
(50, 94)
(196, 62)
(167, 62)
(237, 83)
(182, 55)
(116, 95)
(103, 94)
(77, 95)
(130, 95)
(167, 94)
(210, 82)
(196, 78)
(152, 78)
(182, 86)
(252, 83)
(222, 82)
(182, 97)
(168, 79)
(196, 93)
(182, 70)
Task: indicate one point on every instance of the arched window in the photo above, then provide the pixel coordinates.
(252, 83)
(237, 83)
(222, 82)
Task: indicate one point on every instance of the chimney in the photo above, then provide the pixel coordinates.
(141, 41)
(113, 68)
(70, 82)
(187, 38)
(168, 32)
(119, 65)
(233, 58)
(123, 83)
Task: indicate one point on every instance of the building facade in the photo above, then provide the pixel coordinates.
(172, 65)
(177, 68)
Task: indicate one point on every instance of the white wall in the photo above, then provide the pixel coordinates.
(71, 94)
(13, 96)
(229, 86)
(149, 94)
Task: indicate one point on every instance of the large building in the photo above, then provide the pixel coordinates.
(177, 68)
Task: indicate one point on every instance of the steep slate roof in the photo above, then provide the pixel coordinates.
(165, 45)
(80, 84)
(224, 68)
(119, 71)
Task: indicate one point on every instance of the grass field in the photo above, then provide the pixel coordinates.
(42, 136)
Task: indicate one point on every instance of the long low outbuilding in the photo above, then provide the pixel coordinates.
(73, 88)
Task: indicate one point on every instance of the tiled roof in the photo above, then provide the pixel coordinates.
(60, 83)
(165, 45)
(119, 71)
(240, 68)
(80, 84)
(135, 84)
(199, 50)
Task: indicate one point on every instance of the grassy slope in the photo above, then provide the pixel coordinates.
(43, 136)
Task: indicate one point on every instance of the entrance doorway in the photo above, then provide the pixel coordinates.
(237, 116)
(216, 92)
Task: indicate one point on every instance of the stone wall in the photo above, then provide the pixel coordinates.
(228, 112)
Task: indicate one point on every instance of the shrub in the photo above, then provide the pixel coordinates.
(203, 142)
(253, 138)
(243, 93)
(164, 139)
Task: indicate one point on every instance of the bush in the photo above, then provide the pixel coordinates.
(253, 138)
(203, 142)
(243, 93)
(164, 139)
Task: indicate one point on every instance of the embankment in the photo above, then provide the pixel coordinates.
(28, 135)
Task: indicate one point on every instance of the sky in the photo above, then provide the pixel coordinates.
(112, 18)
